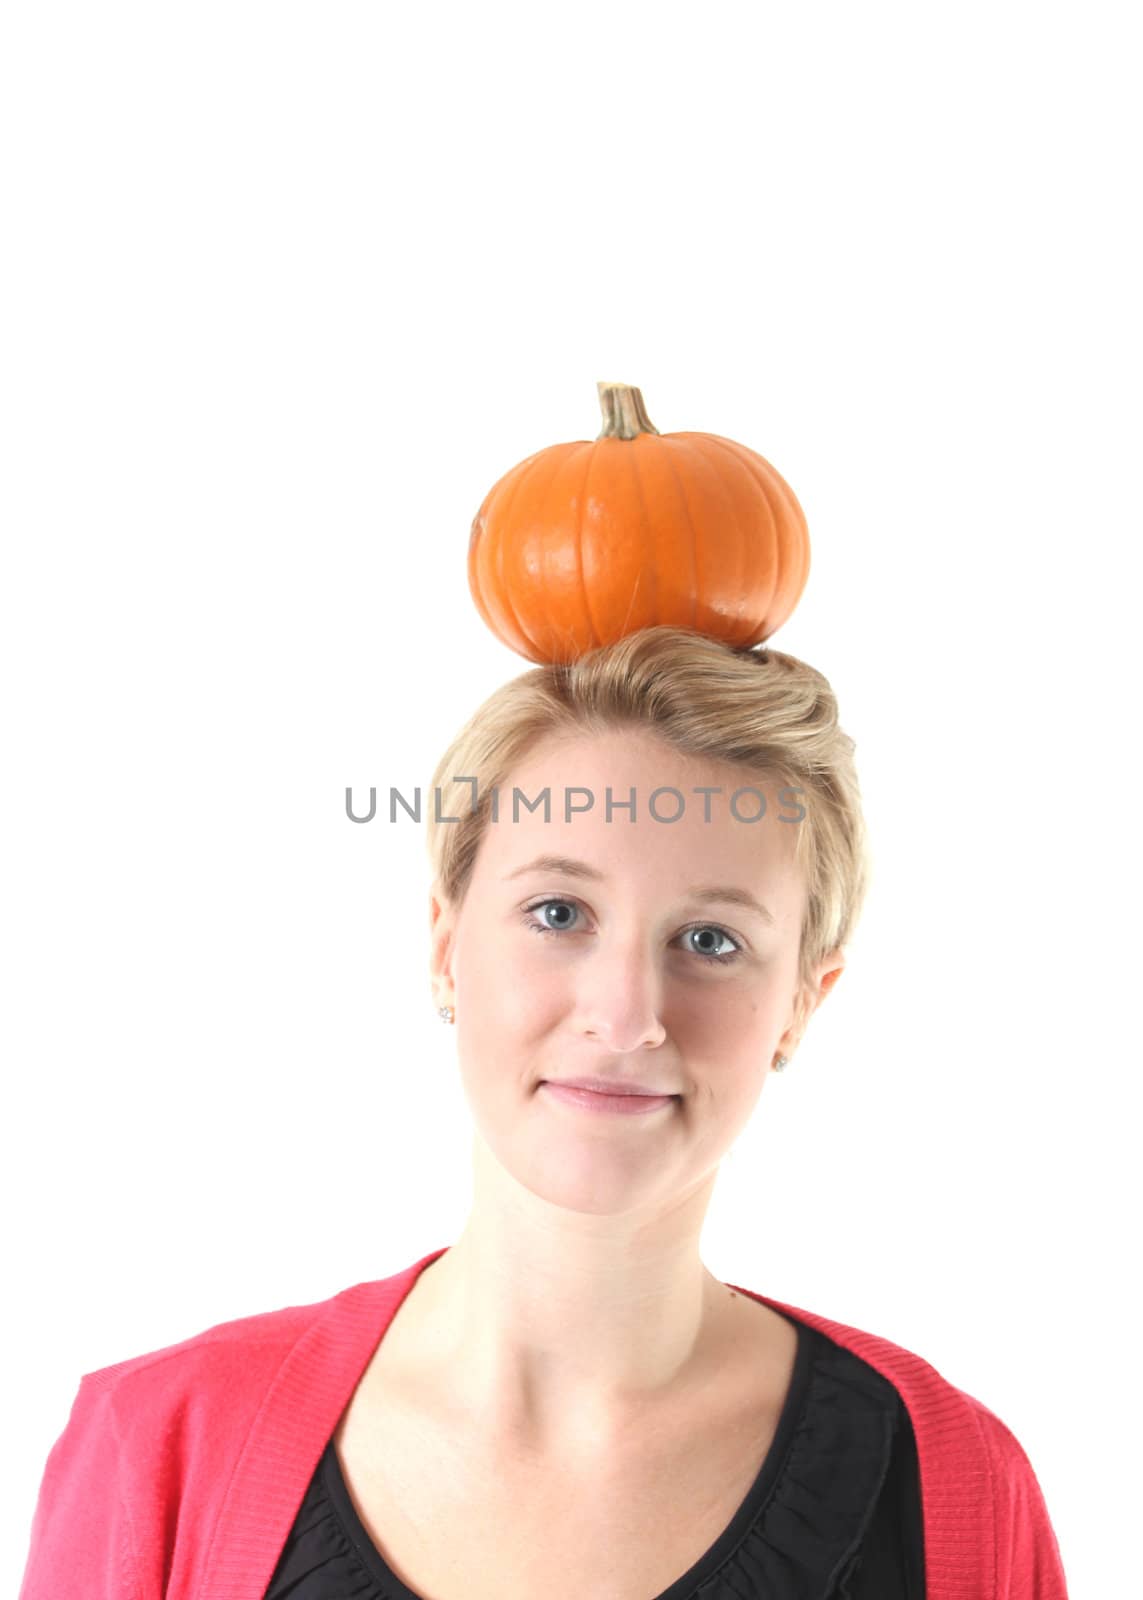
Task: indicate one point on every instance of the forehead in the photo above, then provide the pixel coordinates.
(673, 833)
(623, 751)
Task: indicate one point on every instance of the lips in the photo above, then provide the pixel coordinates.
(612, 1086)
(624, 1104)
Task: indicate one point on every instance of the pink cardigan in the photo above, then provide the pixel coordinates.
(179, 1472)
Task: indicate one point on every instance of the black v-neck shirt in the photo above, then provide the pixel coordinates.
(834, 1513)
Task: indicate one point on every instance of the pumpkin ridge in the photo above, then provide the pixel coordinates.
(767, 474)
(506, 589)
(746, 459)
(653, 564)
(504, 490)
(797, 514)
(696, 444)
(597, 637)
(667, 456)
(551, 537)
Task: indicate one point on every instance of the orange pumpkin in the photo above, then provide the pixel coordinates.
(583, 543)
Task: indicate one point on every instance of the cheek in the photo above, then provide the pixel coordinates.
(513, 958)
(737, 1015)
(510, 985)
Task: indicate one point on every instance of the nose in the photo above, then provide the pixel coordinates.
(621, 1000)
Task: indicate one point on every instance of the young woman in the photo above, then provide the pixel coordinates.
(566, 1402)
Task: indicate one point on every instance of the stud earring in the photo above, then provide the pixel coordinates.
(781, 1062)
(445, 1013)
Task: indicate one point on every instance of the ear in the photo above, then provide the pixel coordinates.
(442, 926)
(810, 997)
(829, 971)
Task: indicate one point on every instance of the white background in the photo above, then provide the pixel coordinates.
(286, 290)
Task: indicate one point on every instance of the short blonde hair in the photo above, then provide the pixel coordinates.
(769, 713)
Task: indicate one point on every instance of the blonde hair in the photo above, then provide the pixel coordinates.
(759, 709)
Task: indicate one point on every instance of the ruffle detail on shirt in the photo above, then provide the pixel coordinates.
(806, 1537)
(320, 1553)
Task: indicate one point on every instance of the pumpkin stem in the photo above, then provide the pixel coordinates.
(624, 415)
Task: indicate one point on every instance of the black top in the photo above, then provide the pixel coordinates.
(834, 1513)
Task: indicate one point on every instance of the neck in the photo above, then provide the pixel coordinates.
(545, 1324)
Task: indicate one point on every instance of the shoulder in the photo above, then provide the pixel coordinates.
(227, 1368)
(1016, 1488)
(907, 1370)
(974, 1470)
(1027, 1547)
(137, 1481)
(209, 1384)
(137, 1433)
(950, 1423)
(262, 1337)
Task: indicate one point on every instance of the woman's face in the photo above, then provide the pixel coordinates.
(629, 974)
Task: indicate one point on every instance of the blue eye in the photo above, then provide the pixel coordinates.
(721, 960)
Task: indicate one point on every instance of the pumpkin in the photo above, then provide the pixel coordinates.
(585, 542)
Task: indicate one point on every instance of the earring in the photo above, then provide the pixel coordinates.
(445, 1013)
(781, 1062)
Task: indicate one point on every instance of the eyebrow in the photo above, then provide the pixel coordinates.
(571, 868)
